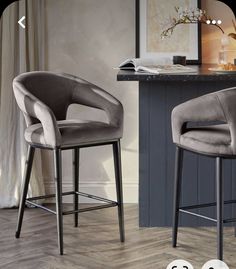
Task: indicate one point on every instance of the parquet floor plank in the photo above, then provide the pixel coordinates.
(95, 243)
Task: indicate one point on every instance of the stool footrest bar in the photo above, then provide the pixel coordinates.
(206, 205)
(229, 220)
(91, 196)
(89, 209)
(108, 203)
(49, 196)
(197, 215)
(41, 206)
(205, 217)
(87, 195)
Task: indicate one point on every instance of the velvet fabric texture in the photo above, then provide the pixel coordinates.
(44, 98)
(214, 139)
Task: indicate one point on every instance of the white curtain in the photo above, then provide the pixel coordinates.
(21, 50)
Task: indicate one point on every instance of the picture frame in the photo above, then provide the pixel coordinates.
(150, 45)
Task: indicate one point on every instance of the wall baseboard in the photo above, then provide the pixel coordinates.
(106, 190)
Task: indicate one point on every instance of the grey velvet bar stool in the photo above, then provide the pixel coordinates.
(215, 136)
(44, 98)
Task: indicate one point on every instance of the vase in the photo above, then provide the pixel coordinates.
(224, 41)
(223, 53)
(223, 56)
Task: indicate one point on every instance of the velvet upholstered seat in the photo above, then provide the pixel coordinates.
(211, 139)
(44, 98)
(205, 125)
(75, 132)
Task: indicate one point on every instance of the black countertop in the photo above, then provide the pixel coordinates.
(202, 74)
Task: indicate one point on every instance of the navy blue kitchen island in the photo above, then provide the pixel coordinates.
(158, 95)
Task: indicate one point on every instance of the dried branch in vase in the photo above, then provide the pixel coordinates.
(233, 35)
(190, 16)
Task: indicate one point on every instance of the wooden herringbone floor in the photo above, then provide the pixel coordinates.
(95, 244)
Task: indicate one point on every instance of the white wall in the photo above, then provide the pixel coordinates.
(88, 38)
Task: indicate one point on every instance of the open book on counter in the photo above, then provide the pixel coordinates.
(154, 66)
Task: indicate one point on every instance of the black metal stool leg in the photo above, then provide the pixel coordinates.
(58, 184)
(26, 179)
(219, 205)
(177, 191)
(118, 177)
(76, 182)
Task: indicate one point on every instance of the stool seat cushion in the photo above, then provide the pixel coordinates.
(213, 139)
(75, 132)
(218, 109)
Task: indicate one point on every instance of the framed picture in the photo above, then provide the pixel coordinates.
(185, 39)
